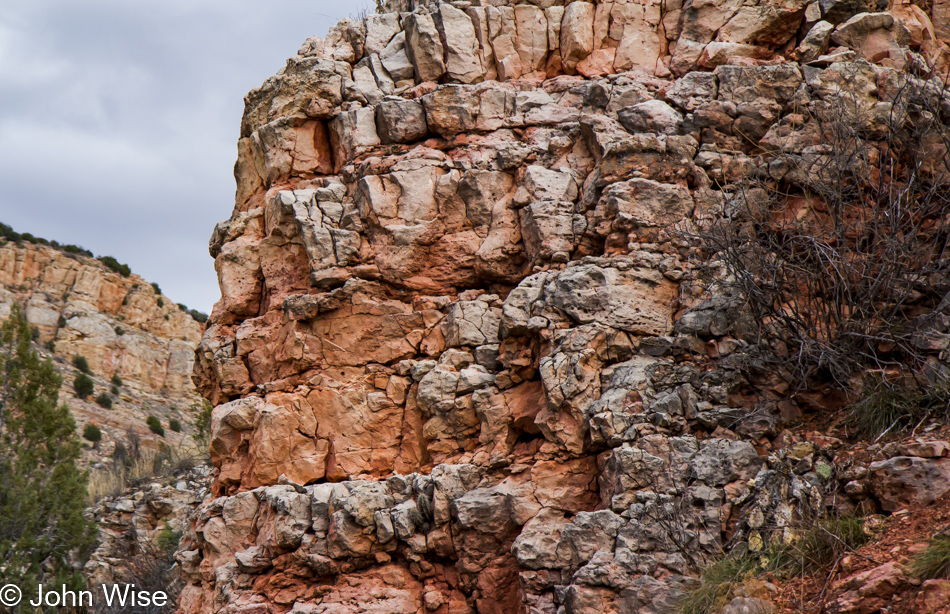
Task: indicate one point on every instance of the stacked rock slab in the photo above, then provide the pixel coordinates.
(461, 362)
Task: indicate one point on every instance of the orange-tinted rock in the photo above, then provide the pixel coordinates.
(933, 597)
(867, 591)
(462, 350)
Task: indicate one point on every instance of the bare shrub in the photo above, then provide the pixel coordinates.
(843, 259)
(134, 466)
(149, 567)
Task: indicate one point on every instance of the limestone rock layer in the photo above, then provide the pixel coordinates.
(461, 362)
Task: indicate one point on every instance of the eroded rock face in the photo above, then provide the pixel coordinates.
(136, 520)
(477, 346)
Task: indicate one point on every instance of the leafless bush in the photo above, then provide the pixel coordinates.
(841, 248)
(134, 466)
(149, 567)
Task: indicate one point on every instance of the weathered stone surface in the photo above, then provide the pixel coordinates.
(640, 29)
(547, 228)
(719, 462)
(423, 46)
(576, 33)
(903, 481)
(764, 26)
(308, 87)
(748, 605)
(867, 591)
(876, 37)
(138, 516)
(815, 42)
(537, 545)
(651, 116)
(631, 299)
(839, 11)
(925, 449)
(641, 202)
(450, 110)
(380, 30)
(395, 58)
(473, 334)
(353, 132)
(532, 41)
(471, 323)
(387, 589)
(401, 121)
(462, 63)
(940, 17)
(692, 90)
(933, 598)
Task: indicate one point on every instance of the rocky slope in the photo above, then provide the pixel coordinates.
(121, 325)
(462, 363)
(139, 526)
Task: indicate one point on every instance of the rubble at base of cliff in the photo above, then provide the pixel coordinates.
(134, 526)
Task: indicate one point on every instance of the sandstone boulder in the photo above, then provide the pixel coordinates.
(641, 202)
(628, 299)
(462, 63)
(867, 591)
(815, 42)
(651, 116)
(424, 46)
(576, 33)
(933, 597)
(471, 323)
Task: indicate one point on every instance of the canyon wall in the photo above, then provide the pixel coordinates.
(463, 361)
(80, 306)
(120, 324)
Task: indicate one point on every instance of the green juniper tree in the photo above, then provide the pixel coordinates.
(43, 533)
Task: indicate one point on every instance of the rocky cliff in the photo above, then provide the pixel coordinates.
(121, 325)
(462, 361)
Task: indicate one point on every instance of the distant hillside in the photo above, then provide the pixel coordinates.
(137, 345)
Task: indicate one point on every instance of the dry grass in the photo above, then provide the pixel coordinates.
(885, 409)
(818, 548)
(145, 466)
(934, 561)
(717, 584)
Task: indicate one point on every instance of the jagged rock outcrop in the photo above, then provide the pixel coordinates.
(462, 362)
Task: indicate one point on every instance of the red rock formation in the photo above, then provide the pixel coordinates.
(459, 363)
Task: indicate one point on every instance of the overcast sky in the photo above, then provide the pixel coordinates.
(119, 121)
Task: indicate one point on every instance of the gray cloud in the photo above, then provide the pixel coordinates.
(118, 121)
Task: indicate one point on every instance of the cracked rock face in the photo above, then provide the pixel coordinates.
(462, 361)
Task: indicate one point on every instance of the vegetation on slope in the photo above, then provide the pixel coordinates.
(42, 491)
